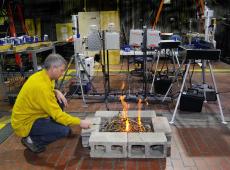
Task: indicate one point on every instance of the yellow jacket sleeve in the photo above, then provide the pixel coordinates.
(48, 103)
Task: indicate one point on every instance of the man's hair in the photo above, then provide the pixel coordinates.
(55, 60)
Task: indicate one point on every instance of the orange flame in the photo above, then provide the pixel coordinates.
(123, 85)
(127, 125)
(146, 102)
(139, 105)
(125, 112)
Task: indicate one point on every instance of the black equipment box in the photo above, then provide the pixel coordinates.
(161, 84)
(209, 92)
(191, 101)
(211, 95)
(169, 44)
(203, 54)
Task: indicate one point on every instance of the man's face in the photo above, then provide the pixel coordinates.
(57, 72)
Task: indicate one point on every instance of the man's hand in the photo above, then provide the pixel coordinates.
(85, 124)
(61, 98)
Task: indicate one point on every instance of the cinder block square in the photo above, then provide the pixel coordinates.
(131, 113)
(85, 141)
(147, 145)
(161, 124)
(168, 150)
(85, 133)
(143, 113)
(107, 114)
(95, 126)
(108, 144)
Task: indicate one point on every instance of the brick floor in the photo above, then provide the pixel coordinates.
(192, 148)
(197, 144)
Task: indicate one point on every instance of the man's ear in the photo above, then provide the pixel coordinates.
(52, 68)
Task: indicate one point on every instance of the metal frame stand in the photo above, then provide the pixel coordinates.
(155, 71)
(174, 80)
(174, 56)
(182, 87)
(217, 94)
(77, 58)
(78, 62)
(105, 69)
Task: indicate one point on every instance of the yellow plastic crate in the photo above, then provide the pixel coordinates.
(46, 44)
(20, 48)
(34, 45)
(4, 48)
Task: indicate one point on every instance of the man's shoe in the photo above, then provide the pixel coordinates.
(27, 142)
(70, 134)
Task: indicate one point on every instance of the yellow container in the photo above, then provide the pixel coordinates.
(64, 31)
(114, 57)
(20, 48)
(34, 45)
(107, 17)
(46, 43)
(30, 26)
(4, 48)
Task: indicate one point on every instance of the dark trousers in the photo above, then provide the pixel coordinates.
(46, 130)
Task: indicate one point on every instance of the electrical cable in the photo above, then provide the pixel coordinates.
(190, 77)
(162, 66)
(122, 64)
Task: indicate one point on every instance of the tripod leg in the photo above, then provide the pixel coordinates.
(175, 78)
(68, 66)
(87, 74)
(128, 76)
(181, 91)
(174, 67)
(203, 78)
(176, 56)
(217, 94)
(166, 94)
(158, 57)
(77, 65)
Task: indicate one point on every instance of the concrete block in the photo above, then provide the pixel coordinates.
(143, 113)
(106, 114)
(131, 113)
(95, 126)
(108, 144)
(161, 124)
(85, 141)
(147, 145)
(85, 133)
(168, 150)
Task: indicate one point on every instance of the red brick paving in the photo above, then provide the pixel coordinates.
(192, 148)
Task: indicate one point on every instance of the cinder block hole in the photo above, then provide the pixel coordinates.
(85, 138)
(117, 148)
(169, 137)
(99, 148)
(168, 151)
(138, 149)
(157, 150)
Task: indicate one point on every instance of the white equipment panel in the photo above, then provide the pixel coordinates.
(153, 38)
(112, 41)
(136, 38)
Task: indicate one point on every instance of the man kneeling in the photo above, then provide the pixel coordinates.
(37, 116)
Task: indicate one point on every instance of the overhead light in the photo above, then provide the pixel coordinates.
(167, 1)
